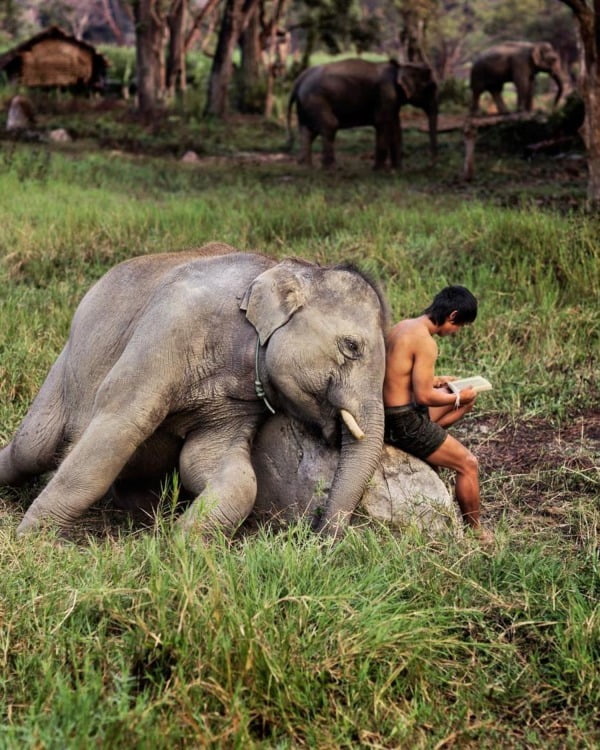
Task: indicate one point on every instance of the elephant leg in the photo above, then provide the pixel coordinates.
(395, 143)
(528, 97)
(475, 101)
(381, 147)
(91, 466)
(138, 488)
(216, 468)
(328, 152)
(307, 136)
(35, 449)
(499, 101)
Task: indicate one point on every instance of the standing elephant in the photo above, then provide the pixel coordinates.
(173, 360)
(352, 93)
(517, 62)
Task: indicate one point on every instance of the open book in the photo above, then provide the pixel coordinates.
(476, 382)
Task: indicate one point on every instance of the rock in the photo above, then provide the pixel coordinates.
(190, 157)
(59, 135)
(295, 469)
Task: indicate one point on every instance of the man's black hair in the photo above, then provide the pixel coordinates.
(452, 298)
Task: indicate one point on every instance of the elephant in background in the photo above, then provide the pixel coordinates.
(174, 360)
(518, 62)
(352, 93)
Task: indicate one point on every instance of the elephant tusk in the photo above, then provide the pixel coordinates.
(352, 424)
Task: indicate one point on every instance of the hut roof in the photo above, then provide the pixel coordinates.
(54, 58)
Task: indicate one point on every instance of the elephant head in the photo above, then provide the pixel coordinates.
(323, 359)
(545, 58)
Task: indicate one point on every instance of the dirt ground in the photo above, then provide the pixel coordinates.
(534, 468)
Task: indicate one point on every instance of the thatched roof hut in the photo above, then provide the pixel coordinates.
(54, 58)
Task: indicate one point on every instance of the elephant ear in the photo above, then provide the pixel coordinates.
(407, 81)
(538, 53)
(273, 297)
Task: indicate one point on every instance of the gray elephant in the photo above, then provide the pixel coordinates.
(352, 93)
(517, 62)
(174, 360)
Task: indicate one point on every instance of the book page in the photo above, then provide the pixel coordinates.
(477, 382)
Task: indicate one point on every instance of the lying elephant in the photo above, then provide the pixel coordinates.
(173, 360)
(353, 92)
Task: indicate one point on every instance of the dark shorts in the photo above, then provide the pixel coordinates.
(411, 429)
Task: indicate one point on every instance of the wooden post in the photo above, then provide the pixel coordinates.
(471, 127)
(469, 137)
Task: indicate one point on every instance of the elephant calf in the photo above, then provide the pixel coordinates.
(351, 93)
(174, 360)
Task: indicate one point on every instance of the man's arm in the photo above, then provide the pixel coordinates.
(424, 380)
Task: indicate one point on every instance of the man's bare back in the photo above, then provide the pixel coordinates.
(411, 353)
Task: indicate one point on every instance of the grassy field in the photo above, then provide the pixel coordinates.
(135, 637)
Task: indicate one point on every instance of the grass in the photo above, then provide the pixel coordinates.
(141, 638)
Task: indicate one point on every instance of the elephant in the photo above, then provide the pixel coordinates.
(351, 93)
(174, 360)
(517, 62)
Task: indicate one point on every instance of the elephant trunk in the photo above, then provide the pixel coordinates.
(557, 78)
(358, 460)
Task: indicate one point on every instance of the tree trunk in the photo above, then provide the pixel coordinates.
(149, 54)
(111, 22)
(588, 18)
(412, 37)
(250, 66)
(235, 17)
(176, 20)
(275, 52)
(591, 98)
(194, 32)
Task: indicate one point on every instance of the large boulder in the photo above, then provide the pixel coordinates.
(295, 469)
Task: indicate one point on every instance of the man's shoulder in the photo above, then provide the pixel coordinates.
(412, 329)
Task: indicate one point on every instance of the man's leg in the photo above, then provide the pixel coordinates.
(453, 455)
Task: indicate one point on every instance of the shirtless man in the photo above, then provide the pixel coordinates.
(418, 405)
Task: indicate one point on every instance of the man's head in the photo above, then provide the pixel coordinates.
(454, 305)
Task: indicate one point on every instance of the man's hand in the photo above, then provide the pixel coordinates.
(440, 380)
(467, 395)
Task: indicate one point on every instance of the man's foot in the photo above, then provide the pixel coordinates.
(484, 536)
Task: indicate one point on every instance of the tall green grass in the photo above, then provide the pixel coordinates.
(141, 638)
(279, 641)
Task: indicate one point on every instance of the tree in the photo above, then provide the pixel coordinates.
(414, 15)
(236, 16)
(334, 25)
(150, 34)
(176, 22)
(588, 19)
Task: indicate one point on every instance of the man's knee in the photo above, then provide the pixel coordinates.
(471, 463)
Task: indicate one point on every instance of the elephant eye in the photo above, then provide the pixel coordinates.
(350, 347)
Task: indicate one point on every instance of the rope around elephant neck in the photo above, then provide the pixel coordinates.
(258, 386)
